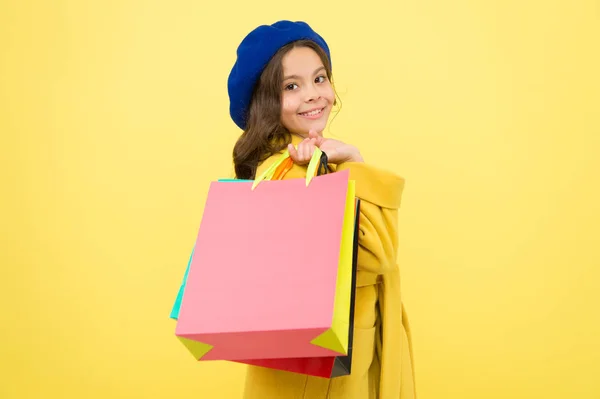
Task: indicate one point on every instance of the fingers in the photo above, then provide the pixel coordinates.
(293, 152)
(313, 134)
(304, 152)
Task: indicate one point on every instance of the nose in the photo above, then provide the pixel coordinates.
(312, 94)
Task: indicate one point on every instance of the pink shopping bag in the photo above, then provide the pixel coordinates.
(271, 272)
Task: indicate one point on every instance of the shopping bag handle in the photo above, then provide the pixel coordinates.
(316, 166)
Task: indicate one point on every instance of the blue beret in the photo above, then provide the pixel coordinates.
(253, 55)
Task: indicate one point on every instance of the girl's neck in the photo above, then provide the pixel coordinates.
(299, 135)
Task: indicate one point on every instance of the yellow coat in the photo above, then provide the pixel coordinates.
(382, 365)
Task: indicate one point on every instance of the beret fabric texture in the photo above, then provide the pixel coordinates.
(253, 55)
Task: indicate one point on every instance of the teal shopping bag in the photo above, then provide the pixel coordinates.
(177, 304)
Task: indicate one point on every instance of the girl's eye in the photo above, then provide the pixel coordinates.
(291, 86)
(321, 79)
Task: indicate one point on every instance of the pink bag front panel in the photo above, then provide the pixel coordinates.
(263, 275)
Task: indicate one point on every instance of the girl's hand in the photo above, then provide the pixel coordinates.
(304, 153)
(336, 151)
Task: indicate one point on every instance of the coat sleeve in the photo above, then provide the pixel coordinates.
(380, 192)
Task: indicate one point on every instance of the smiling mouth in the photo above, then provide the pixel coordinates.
(313, 114)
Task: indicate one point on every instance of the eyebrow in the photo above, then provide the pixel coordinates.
(298, 77)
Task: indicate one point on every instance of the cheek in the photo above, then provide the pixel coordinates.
(288, 106)
(288, 111)
(329, 94)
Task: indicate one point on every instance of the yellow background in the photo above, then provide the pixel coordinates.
(114, 118)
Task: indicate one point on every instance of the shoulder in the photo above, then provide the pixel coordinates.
(379, 186)
(264, 165)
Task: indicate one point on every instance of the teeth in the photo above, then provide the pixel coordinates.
(312, 113)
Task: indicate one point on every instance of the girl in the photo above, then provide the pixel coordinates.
(281, 95)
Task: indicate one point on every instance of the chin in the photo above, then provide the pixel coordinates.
(319, 126)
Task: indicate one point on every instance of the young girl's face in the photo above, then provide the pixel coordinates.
(307, 95)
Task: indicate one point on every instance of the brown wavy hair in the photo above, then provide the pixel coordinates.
(264, 134)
